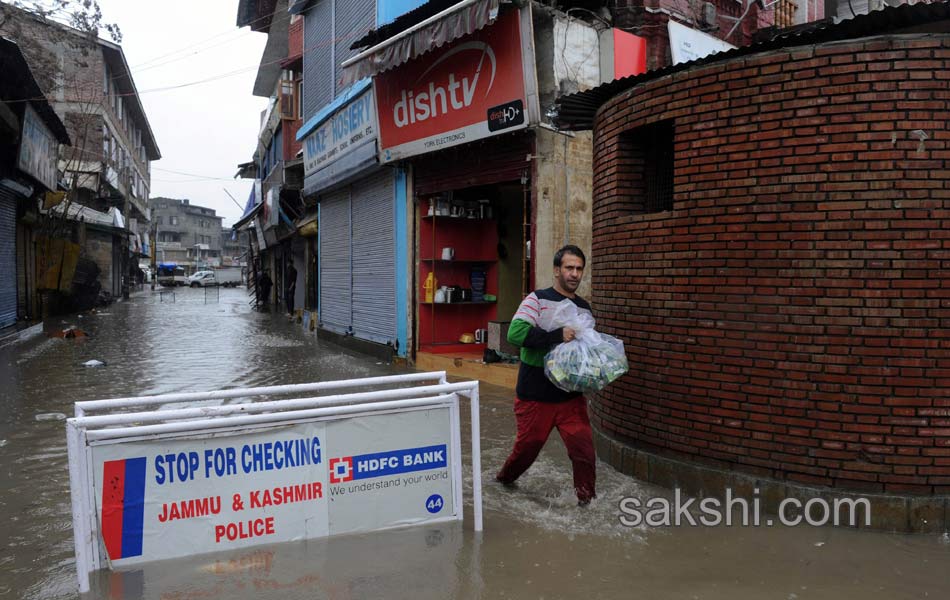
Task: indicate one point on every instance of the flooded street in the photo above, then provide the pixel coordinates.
(537, 543)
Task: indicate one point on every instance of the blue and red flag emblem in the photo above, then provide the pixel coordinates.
(123, 506)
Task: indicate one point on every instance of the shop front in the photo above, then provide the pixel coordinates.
(24, 183)
(361, 246)
(459, 116)
(8, 255)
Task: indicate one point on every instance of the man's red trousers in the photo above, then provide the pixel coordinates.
(535, 422)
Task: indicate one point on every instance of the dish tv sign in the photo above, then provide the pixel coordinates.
(470, 89)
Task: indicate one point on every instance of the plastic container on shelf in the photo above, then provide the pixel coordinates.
(431, 283)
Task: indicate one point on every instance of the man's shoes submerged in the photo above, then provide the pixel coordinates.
(585, 501)
(508, 485)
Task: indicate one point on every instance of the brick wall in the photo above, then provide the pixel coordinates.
(790, 317)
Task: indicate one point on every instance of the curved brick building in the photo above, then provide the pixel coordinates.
(771, 239)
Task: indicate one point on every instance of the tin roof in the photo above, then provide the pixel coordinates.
(577, 111)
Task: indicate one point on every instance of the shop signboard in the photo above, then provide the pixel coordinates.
(688, 44)
(350, 128)
(270, 214)
(39, 150)
(470, 89)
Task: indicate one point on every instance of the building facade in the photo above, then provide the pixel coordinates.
(384, 163)
(277, 162)
(89, 84)
(233, 248)
(186, 234)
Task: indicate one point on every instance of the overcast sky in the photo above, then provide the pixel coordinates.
(206, 129)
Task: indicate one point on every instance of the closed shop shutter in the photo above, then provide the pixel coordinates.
(8, 285)
(374, 258)
(497, 159)
(336, 278)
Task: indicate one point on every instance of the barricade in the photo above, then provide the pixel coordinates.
(157, 477)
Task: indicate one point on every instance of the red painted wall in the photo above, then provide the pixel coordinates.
(790, 317)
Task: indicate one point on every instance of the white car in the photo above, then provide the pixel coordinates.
(226, 276)
(202, 279)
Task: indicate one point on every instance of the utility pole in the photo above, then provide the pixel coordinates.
(154, 252)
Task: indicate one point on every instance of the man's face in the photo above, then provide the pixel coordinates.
(568, 275)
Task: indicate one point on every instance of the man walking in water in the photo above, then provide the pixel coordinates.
(540, 406)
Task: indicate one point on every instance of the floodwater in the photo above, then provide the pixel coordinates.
(536, 544)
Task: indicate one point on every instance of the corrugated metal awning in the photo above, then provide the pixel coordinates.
(450, 24)
(577, 111)
(248, 217)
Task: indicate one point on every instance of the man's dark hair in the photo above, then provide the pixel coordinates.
(569, 249)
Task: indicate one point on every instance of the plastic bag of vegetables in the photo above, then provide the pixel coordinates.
(588, 362)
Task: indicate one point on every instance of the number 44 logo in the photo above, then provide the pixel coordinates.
(434, 503)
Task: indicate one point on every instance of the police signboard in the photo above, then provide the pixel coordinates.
(182, 487)
(464, 91)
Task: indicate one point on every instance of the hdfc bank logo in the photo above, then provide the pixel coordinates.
(455, 94)
(341, 469)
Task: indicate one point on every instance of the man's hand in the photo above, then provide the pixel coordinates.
(568, 334)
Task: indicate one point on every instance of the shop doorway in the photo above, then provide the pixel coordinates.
(472, 263)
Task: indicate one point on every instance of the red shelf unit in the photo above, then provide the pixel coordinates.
(475, 242)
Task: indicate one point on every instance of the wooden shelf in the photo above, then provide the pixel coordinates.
(475, 243)
(430, 217)
(466, 261)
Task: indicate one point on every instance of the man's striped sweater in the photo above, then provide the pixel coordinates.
(532, 330)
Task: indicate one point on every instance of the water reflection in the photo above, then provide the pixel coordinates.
(415, 563)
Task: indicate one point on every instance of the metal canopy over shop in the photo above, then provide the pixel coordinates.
(248, 217)
(412, 39)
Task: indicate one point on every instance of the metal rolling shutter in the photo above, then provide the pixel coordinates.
(336, 278)
(496, 159)
(374, 258)
(318, 72)
(353, 20)
(7, 258)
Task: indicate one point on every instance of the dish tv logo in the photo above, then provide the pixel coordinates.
(382, 464)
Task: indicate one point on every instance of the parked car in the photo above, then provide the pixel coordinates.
(228, 277)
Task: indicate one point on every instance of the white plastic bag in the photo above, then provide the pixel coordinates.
(588, 362)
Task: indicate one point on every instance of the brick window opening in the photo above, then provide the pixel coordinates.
(646, 167)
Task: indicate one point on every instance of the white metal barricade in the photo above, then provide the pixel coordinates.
(256, 450)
